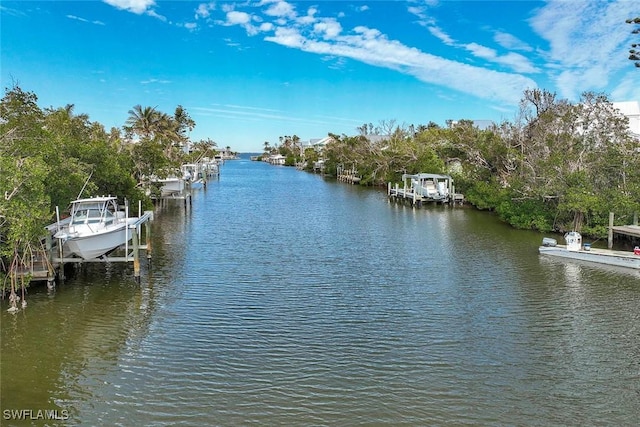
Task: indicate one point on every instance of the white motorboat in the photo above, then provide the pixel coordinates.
(575, 249)
(431, 186)
(171, 185)
(96, 227)
(193, 175)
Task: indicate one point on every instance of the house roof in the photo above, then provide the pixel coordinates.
(322, 141)
(628, 108)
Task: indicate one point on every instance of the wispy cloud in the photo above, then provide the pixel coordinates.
(578, 50)
(509, 41)
(512, 60)
(204, 10)
(441, 35)
(249, 113)
(280, 9)
(159, 81)
(138, 7)
(515, 61)
(10, 11)
(135, 6)
(190, 26)
(326, 36)
(581, 41)
(77, 18)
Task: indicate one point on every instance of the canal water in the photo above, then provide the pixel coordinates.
(280, 298)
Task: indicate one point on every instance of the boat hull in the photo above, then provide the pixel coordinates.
(600, 256)
(98, 244)
(171, 185)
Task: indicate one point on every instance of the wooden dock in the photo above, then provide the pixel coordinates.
(440, 189)
(632, 230)
(183, 196)
(348, 175)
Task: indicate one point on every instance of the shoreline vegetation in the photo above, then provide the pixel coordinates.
(557, 167)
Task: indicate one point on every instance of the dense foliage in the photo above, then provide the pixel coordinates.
(50, 157)
(557, 167)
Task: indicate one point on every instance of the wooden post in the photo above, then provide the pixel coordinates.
(610, 234)
(147, 228)
(51, 270)
(136, 255)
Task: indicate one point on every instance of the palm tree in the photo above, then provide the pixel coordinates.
(143, 121)
(185, 122)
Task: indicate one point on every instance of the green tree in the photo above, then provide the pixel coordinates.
(25, 206)
(161, 137)
(205, 148)
(634, 53)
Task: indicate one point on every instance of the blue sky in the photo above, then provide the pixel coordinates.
(249, 72)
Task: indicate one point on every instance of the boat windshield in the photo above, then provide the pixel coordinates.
(89, 212)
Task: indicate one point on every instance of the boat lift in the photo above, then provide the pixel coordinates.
(131, 248)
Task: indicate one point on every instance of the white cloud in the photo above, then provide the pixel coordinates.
(509, 41)
(156, 15)
(441, 35)
(588, 41)
(328, 28)
(146, 82)
(135, 6)
(138, 7)
(204, 10)
(244, 20)
(481, 51)
(281, 9)
(266, 26)
(240, 18)
(289, 37)
(627, 87)
(372, 47)
(247, 113)
(517, 62)
(309, 18)
(327, 37)
(77, 18)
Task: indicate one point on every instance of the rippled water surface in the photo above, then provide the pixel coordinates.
(281, 298)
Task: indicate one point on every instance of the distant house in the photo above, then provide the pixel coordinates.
(631, 110)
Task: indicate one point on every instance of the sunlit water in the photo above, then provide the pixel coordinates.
(281, 298)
